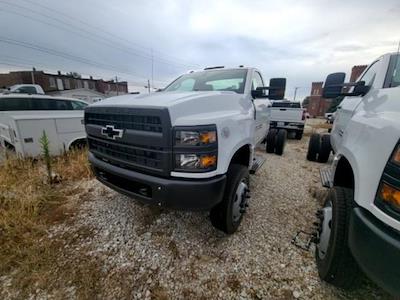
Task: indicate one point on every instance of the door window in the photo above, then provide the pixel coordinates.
(257, 81)
(369, 76)
(395, 75)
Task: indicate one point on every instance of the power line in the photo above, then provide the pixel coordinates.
(81, 32)
(67, 56)
(112, 35)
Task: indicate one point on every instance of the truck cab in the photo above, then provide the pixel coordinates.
(359, 228)
(189, 146)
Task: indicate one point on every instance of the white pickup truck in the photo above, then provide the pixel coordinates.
(360, 222)
(189, 146)
(31, 89)
(288, 115)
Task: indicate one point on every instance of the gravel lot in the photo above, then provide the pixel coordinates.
(149, 253)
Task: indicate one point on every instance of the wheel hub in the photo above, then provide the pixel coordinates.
(240, 201)
(324, 230)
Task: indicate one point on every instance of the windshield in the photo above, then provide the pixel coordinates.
(213, 80)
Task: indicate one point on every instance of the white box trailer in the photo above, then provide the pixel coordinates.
(63, 129)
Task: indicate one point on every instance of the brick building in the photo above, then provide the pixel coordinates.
(356, 71)
(60, 82)
(317, 106)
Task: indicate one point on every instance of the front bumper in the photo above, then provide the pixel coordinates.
(376, 248)
(182, 194)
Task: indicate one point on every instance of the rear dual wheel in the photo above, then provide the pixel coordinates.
(276, 141)
(319, 148)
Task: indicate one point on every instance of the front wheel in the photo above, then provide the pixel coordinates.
(335, 262)
(228, 214)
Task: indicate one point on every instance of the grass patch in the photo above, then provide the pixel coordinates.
(29, 206)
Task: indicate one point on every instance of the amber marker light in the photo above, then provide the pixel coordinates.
(208, 161)
(390, 195)
(208, 137)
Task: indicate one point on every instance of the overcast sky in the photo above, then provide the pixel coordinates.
(301, 40)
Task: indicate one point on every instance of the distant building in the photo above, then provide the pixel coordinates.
(356, 71)
(317, 105)
(53, 83)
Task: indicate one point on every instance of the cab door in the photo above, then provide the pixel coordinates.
(348, 106)
(261, 106)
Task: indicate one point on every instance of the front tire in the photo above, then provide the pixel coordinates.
(228, 214)
(335, 262)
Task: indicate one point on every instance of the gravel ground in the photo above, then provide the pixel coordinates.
(149, 253)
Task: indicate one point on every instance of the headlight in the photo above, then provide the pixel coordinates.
(193, 162)
(195, 138)
(195, 148)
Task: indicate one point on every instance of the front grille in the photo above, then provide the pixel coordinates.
(134, 122)
(145, 144)
(130, 155)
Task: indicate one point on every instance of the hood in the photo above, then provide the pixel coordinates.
(161, 99)
(186, 107)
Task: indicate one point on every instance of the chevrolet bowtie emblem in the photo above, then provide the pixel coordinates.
(112, 133)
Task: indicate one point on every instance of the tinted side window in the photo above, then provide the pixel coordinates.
(63, 105)
(43, 104)
(77, 105)
(15, 104)
(26, 90)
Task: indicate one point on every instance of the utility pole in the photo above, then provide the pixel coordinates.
(152, 68)
(33, 75)
(148, 85)
(116, 81)
(295, 92)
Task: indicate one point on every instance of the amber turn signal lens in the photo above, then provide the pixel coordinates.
(390, 195)
(396, 155)
(208, 137)
(208, 161)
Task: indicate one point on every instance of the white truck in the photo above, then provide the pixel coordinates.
(189, 146)
(359, 226)
(23, 118)
(288, 115)
(31, 89)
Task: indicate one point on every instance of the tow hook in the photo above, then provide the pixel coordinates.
(303, 239)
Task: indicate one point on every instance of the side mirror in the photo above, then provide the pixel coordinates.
(258, 93)
(361, 89)
(277, 88)
(333, 85)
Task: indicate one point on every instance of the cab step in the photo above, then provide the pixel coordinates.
(258, 161)
(325, 174)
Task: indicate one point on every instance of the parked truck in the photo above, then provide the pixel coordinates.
(288, 115)
(359, 228)
(23, 118)
(189, 146)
